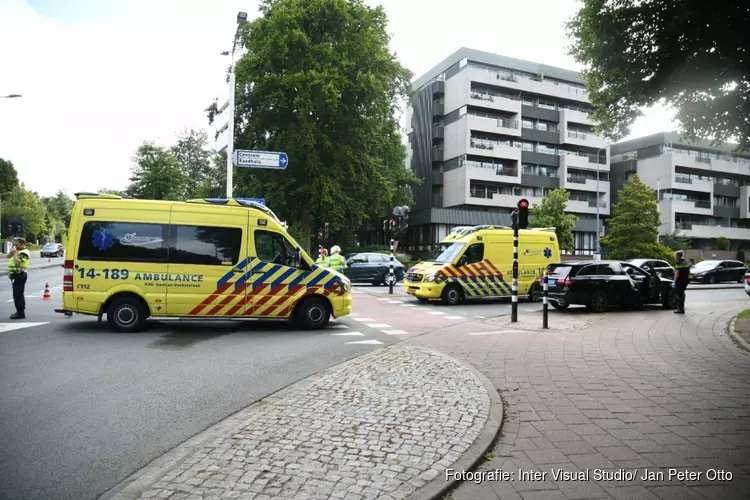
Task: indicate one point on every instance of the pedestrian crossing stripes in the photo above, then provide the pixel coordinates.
(8, 327)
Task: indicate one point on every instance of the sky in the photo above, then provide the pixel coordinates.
(98, 77)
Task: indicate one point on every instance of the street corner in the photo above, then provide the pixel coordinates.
(568, 319)
(739, 329)
(388, 424)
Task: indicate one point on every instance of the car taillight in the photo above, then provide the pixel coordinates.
(564, 282)
(68, 276)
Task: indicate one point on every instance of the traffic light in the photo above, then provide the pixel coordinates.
(523, 213)
(320, 234)
(326, 231)
(386, 225)
(404, 218)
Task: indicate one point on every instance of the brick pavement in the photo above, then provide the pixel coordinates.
(641, 390)
(380, 426)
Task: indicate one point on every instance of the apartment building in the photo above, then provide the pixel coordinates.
(702, 190)
(486, 130)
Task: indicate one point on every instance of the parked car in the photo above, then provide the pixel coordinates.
(52, 250)
(718, 271)
(372, 268)
(600, 284)
(660, 267)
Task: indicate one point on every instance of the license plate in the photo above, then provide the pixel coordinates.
(411, 292)
(551, 284)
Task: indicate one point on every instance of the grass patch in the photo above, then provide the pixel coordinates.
(744, 314)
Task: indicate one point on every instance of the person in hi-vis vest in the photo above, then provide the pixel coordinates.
(336, 261)
(18, 263)
(323, 259)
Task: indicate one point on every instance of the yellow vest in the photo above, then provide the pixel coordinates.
(25, 257)
(322, 261)
(336, 262)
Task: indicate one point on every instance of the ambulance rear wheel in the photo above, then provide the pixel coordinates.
(126, 314)
(452, 295)
(313, 314)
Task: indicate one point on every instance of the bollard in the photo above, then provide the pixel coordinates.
(320, 251)
(391, 275)
(545, 301)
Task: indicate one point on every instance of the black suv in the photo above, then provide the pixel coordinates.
(600, 284)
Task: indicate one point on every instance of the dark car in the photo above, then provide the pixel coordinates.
(718, 271)
(661, 267)
(600, 284)
(372, 268)
(52, 250)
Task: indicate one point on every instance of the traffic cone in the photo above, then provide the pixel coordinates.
(47, 296)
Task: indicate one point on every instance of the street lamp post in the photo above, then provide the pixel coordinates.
(241, 19)
(598, 203)
(10, 96)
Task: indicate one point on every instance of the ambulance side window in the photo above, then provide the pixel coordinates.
(474, 254)
(274, 248)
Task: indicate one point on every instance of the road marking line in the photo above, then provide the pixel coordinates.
(366, 342)
(353, 314)
(349, 334)
(379, 325)
(532, 310)
(407, 305)
(395, 332)
(395, 301)
(366, 320)
(436, 313)
(480, 317)
(455, 317)
(7, 327)
(498, 331)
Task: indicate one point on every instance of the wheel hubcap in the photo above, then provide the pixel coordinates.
(599, 300)
(315, 314)
(126, 315)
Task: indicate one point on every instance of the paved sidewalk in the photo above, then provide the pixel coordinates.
(633, 390)
(383, 425)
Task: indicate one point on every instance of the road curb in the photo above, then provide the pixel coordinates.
(141, 480)
(38, 268)
(482, 445)
(736, 337)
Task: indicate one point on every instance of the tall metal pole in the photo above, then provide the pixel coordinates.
(391, 274)
(598, 230)
(658, 209)
(230, 126)
(545, 301)
(514, 290)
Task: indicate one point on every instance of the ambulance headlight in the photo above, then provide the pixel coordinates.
(345, 286)
(430, 278)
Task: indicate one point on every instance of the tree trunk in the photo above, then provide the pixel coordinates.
(306, 224)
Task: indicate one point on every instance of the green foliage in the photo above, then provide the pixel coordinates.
(634, 225)
(675, 241)
(194, 156)
(156, 174)
(318, 81)
(112, 191)
(23, 203)
(8, 177)
(682, 53)
(214, 183)
(722, 243)
(551, 213)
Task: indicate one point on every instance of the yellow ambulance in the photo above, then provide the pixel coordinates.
(203, 259)
(477, 262)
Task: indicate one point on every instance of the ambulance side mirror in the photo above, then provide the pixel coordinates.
(297, 258)
(463, 261)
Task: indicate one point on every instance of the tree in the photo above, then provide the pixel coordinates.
(551, 213)
(722, 243)
(26, 204)
(214, 183)
(156, 174)
(687, 54)
(318, 82)
(8, 177)
(634, 225)
(675, 240)
(194, 156)
(112, 191)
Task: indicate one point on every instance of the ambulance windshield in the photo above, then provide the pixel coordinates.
(447, 252)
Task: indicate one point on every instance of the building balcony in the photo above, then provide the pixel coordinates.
(438, 109)
(579, 183)
(437, 153)
(498, 200)
(492, 149)
(584, 139)
(494, 102)
(713, 232)
(588, 207)
(502, 126)
(438, 132)
(570, 115)
(584, 162)
(685, 207)
(687, 183)
(505, 174)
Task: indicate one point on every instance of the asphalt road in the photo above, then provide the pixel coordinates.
(82, 408)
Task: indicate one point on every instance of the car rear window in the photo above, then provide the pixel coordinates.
(559, 271)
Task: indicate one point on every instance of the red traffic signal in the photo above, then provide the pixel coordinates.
(394, 222)
(523, 203)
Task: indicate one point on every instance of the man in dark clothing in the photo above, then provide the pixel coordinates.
(681, 279)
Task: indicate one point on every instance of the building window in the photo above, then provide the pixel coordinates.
(528, 123)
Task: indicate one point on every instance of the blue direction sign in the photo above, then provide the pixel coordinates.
(259, 201)
(261, 159)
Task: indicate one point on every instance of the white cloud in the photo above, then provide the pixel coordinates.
(94, 90)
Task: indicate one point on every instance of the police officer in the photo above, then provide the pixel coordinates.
(681, 279)
(336, 261)
(18, 264)
(323, 259)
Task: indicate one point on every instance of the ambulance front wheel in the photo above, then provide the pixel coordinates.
(452, 295)
(126, 314)
(313, 314)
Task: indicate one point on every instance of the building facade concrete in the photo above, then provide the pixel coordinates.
(702, 189)
(486, 130)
